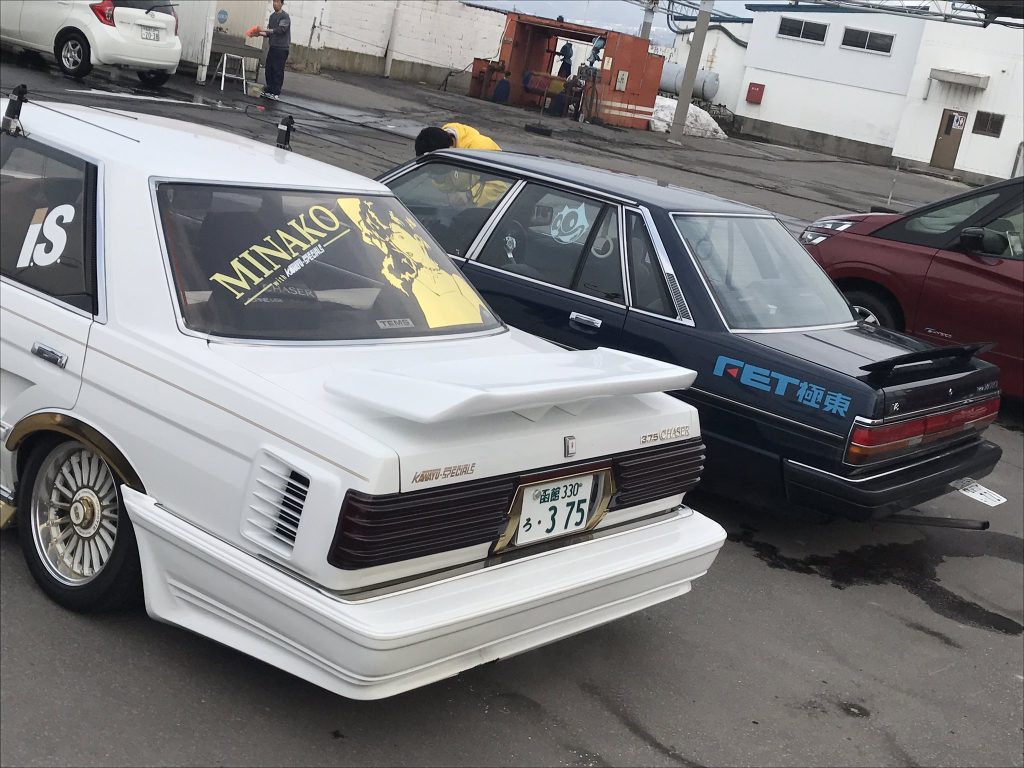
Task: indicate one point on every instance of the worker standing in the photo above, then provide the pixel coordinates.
(566, 55)
(452, 135)
(279, 30)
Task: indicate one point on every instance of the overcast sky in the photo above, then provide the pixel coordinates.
(611, 14)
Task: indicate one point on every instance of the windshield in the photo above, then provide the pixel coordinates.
(760, 277)
(310, 266)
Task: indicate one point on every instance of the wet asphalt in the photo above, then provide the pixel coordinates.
(806, 643)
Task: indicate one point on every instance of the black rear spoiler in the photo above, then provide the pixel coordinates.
(882, 369)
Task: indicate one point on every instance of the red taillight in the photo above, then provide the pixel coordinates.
(104, 11)
(884, 441)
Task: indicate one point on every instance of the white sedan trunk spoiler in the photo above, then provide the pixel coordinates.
(528, 384)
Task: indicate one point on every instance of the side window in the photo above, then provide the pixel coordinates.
(453, 202)
(937, 226)
(47, 240)
(601, 272)
(544, 234)
(646, 281)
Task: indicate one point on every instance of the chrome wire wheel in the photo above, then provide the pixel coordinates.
(74, 514)
(71, 54)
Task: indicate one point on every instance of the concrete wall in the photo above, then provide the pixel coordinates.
(722, 55)
(995, 51)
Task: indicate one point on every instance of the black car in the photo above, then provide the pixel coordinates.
(801, 404)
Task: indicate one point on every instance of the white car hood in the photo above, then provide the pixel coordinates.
(501, 403)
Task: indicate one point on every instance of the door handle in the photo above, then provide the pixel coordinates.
(587, 320)
(49, 355)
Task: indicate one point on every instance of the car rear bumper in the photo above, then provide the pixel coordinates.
(384, 644)
(113, 48)
(891, 490)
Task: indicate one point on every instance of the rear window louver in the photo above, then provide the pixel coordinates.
(275, 505)
(375, 530)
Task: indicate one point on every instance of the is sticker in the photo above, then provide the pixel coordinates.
(400, 322)
(48, 224)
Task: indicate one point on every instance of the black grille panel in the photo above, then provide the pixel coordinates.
(375, 530)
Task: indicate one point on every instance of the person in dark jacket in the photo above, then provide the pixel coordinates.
(502, 90)
(279, 30)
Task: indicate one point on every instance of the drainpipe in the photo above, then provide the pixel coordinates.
(389, 53)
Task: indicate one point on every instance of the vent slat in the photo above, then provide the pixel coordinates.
(278, 497)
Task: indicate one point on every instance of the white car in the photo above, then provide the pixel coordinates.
(137, 34)
(250, 385)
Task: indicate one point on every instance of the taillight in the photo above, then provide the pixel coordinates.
(174, 13)
(104, 11)
(884, 441)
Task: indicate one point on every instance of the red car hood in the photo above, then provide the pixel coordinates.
(865, 223)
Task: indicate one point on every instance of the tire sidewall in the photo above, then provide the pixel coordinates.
(877, 306)
(85, 67)
(121, 574)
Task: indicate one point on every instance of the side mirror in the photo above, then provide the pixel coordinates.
(981, 240)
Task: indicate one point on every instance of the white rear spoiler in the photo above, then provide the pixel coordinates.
(528, 384)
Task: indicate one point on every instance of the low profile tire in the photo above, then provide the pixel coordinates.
(872, 309)
(153, 78)
(74, 532)
(73, 54)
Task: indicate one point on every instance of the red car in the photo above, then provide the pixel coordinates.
(951, 272)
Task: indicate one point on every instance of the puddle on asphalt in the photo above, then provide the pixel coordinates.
(912, 566)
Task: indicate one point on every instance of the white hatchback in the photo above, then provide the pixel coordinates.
(250, 386)
(137, 34)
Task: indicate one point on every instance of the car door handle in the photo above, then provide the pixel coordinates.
(49, 355)
(587, 320)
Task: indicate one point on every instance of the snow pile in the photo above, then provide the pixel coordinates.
(698, 122)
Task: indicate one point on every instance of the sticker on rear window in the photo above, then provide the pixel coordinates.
(401, 322)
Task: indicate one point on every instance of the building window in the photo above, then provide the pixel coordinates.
(867, 41)
(803, 30)
(988, 124)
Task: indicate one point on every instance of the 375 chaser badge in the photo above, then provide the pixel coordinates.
(669, 433)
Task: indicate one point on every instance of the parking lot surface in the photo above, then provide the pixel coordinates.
(806, 644)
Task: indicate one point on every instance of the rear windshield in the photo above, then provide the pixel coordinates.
(761, 278)
(310, 266)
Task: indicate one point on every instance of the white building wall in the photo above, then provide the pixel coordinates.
(722, 55)
(994, 51)
(445, 33)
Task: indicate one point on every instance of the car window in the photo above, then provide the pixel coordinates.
(310, 266)
(453, 202)
(157, 6)
(543, 234)
(937, 226)
(646, 281)
(601, 272)
(760, 276)
(1011, 224)
(47, 200)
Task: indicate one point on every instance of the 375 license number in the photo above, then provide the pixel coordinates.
(555, 508)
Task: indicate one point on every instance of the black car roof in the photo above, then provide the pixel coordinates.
(648, 192)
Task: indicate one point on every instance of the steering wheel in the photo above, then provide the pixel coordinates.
(512, 235)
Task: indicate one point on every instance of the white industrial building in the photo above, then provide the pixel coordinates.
(874, 86)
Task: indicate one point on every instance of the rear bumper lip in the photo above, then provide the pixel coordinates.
(385, 645)
(890, 491)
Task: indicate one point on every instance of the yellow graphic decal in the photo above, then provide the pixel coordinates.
(445, 298)
(268, 264)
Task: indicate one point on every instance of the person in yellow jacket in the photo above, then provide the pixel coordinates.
(462, 184)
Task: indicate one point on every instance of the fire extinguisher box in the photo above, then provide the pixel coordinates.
(755, 92)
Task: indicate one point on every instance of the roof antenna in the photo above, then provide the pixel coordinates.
(284, 132)
(12, 117)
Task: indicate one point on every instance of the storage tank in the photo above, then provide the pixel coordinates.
(705, 87)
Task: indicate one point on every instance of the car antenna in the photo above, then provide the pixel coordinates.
(284, 132)
(12, 117)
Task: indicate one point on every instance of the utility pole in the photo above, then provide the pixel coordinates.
(700, 31)
(645, 28)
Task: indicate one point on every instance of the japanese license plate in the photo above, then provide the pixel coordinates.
(150, 34)
(555, 508)
(978, 492)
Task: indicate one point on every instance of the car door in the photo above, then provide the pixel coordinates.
(974, 293)
(10, 20)
(48, 279)
(41, 20)
(551, 264)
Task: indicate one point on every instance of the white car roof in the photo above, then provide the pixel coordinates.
(175, 149)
